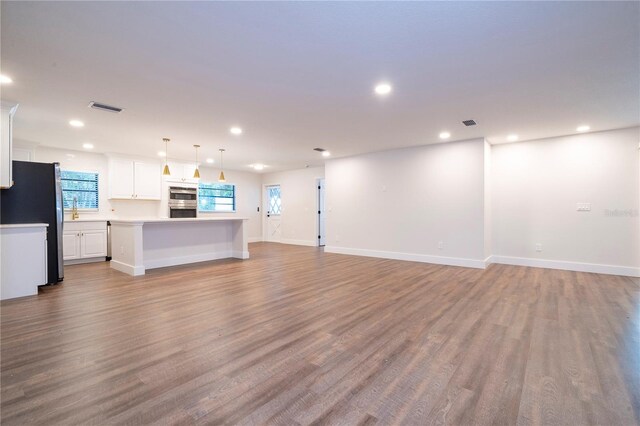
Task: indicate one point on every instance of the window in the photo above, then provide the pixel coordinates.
(275, 204)
(81, 186)
(216, 197)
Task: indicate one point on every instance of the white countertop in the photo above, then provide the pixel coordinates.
(87, 219)
(177, 220)
(23, 225)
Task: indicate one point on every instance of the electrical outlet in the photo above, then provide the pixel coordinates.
(583, 207)
(538, 247)
(440, 245)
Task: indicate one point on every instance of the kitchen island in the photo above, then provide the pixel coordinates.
(141, 244)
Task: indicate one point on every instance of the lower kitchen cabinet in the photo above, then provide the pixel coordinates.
(84, 241)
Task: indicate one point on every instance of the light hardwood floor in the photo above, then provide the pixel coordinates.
(296, 336)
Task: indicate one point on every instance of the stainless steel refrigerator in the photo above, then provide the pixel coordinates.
(36, 197)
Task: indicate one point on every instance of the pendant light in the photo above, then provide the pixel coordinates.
(165, 171)
(196, 173)
(221, 177)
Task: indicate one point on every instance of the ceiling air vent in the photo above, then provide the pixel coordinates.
(104, 107)
(319, 149)
(469, 123)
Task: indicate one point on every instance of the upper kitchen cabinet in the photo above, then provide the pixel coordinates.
(6, 144)
(147, 183)
(138, 180)
(182, 173)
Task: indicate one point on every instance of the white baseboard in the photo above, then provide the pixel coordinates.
(254, 239)
(88, 260)
(627, 271)
(126, 268)
(192, 258)
(309, 243)
(412, 257)
(240, 254)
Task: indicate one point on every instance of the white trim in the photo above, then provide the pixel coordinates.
(238, 254)
(412, 257)
(308, 243)
(255, 239)
(86, 260)
(126, 268)
(192, 258)
(627, 271)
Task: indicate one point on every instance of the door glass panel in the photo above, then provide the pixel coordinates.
(275, 204)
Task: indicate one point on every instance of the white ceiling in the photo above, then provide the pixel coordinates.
(300, 75)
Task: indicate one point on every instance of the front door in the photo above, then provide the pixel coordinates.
(273, 209)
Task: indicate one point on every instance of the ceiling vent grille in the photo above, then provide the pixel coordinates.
(469, 123)
(105, 107)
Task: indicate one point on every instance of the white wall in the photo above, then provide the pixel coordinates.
(536, 186)
(402, 203)
(487, 201)
(248, 197)
(248, 189)
(299, 219)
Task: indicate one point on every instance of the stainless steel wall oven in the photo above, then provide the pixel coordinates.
(183, 202)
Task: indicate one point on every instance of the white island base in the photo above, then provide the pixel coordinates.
(138, 245)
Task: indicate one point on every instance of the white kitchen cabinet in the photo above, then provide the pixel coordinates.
(129, 179)
(23, 154)
(23, 264)
(71, 245)
(84, 241)
(93, 243)
(121, 175)
(147, 181)
(181, 173)
(7, 112)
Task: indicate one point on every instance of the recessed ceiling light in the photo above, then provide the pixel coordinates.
(445, 135)
(326, 153)
(383, 89)
(4, 79)
(235, 130)
(257, 166)
(76, 123)
(210, 160)
(512, 138)
(162, 154)
(87, 145)
(583, 128)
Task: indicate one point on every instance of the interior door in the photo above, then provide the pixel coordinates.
(273, 210)
(321, 214)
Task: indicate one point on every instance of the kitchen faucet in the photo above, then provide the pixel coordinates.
(74, 210)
